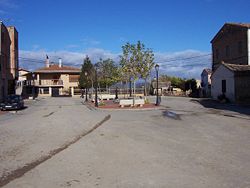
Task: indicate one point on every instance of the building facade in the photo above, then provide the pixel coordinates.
(4, 60)
(231, 45)
(8, 60)
(14, 64)
(231, 63)
(54, 79)
(232, 81)
(206, 82)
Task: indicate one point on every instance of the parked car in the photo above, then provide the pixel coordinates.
(12, 102)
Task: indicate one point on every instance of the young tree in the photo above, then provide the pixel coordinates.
(175, 81)
(127, 63)
(136, 62)
(87, 74)
(146, 64)
(108, 72)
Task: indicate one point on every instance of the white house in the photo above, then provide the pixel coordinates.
(233, 81)
(206, 82)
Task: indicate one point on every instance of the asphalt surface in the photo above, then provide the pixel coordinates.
(185, 143)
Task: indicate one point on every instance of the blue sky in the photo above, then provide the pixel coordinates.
(72, 29)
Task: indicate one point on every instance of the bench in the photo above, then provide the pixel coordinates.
(131, 102)
(126, 102)
(106, 96)
(139, 102)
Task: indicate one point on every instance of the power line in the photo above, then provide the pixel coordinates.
(166, 63)
(187, 58)
(39, 61)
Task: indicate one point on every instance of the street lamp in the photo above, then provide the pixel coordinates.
(157, 76)
(116, 92)
(86, 91)
(96, 97)
(33, 85)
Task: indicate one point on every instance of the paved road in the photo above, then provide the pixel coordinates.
(38, 132)
(182, 145)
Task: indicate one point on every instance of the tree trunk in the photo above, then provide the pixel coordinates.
(130, 88)
(145, 87)
(134, 88)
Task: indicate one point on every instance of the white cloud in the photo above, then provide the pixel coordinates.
(185, 64)
(90, 42)
(72, 46)
(36, 58)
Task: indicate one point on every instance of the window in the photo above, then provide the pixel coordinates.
(74, 78)
(227, 51)
(240, 47)
(223, 86)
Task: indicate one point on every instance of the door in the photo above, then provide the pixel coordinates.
(55, 92)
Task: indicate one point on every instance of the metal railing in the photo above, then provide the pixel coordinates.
(53, 82)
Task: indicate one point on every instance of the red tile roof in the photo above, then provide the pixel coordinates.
(57, 69)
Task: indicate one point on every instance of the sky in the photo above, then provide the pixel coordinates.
(173, 29)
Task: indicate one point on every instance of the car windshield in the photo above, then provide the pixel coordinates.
(13, 98)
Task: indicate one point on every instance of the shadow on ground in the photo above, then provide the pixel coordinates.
(209, 103)
(171, 115)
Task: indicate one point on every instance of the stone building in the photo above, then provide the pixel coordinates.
(233, 81)
(8, 60)
(13, 57)
(4, 60)
(231, 45)
(231, 63)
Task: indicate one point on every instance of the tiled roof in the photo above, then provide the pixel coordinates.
(226, 25)
(247, 25)
(22, 69)
(237, 68)
(57, 69)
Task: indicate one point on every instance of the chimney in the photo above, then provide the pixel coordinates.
(60, 62)
(47, 61)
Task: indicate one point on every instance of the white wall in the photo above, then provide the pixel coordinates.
(206, 80)
(222, 73)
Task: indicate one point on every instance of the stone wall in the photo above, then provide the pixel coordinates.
(242, 88)
(231, 46)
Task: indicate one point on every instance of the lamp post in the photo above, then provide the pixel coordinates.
(157, 76)
(33, 85)
(96, 97)
(86, 90)
(116, 92)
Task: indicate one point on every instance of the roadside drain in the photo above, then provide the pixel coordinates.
(7, 178)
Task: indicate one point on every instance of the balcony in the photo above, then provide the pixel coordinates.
(45, 83)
